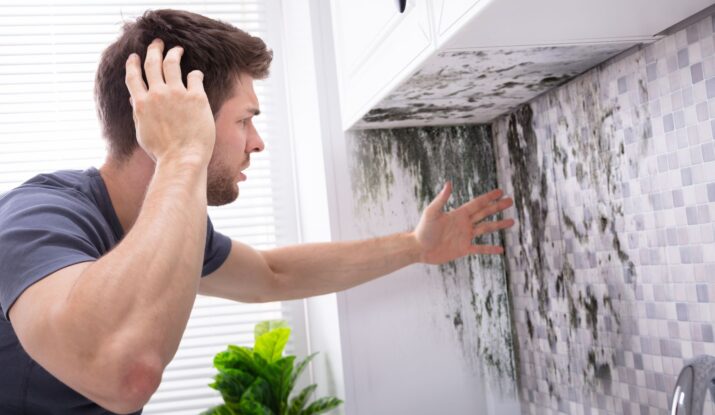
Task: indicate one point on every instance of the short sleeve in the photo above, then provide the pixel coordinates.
(218, 246)
(41, 232)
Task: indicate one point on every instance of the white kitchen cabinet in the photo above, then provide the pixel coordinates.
(450, 15)
(523, 23)
(377, 47)
(381, 52)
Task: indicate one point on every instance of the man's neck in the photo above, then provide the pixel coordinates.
(127, 183)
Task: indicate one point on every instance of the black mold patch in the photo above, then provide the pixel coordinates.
(415, 112)
(457, 321)
(552, 81)
(573, 228)
(629, 268)
(590, 303)
(529, 325)
(510, 84)
(488, 303)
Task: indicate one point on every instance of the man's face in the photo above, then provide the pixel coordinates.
(236, 139)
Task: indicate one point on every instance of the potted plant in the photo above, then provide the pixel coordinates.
(259, 380)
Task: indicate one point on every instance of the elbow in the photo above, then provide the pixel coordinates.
(267, 289)
(135, 385)
(274, 288)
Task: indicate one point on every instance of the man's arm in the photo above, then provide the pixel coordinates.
(108, 328)
(306, 270)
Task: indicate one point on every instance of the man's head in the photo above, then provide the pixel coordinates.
(228, 57)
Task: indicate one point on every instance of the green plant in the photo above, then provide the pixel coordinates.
(259, 380)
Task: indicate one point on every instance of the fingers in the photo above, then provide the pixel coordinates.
(195, 81)
(133, 78)
(491, 209)
(478, 203)
(153, 63)
(172, 67)
(486, 249)
(158, 68)
(437, 205)
(489, 227)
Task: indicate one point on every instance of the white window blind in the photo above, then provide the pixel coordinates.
(49, 51)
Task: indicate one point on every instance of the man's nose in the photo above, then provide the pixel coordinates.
(256, 144)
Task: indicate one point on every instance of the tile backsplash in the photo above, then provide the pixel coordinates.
(612, 262)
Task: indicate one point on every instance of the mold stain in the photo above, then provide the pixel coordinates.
(457, 84)
(530, 189)
(569, 148)
(475, 287)
(457, 321)
(529, 325)
(590, 305)
(414, 111)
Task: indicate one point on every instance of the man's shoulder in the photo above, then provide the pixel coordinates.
(58, 182)
(68, 189)
(61, 180)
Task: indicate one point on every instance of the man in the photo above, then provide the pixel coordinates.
(99, 268)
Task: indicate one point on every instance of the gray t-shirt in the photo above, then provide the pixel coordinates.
(50, 222)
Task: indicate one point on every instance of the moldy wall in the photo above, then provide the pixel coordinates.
(606, 286)
(452, 322)
(612, 260)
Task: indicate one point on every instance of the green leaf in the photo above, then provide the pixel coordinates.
(259, 391)
(268, 325)
(298, 402)
(232, 383)
(321, 405)
(235, 357)
(218, 410)
(266, 370)
(277, 375)
(301, 367)
(284, 369)
(270, 345)
(253, 408)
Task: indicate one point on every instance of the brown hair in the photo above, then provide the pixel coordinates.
(217, 49)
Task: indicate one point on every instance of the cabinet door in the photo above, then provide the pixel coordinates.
(377, 47)
(451, 15)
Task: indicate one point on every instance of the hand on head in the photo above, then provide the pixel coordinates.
(171, 120)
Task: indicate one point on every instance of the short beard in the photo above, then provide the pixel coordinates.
(220, 188)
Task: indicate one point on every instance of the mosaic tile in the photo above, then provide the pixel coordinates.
(630, 143)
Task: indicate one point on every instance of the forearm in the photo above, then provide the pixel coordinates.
(320, 268)
(138, 297)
